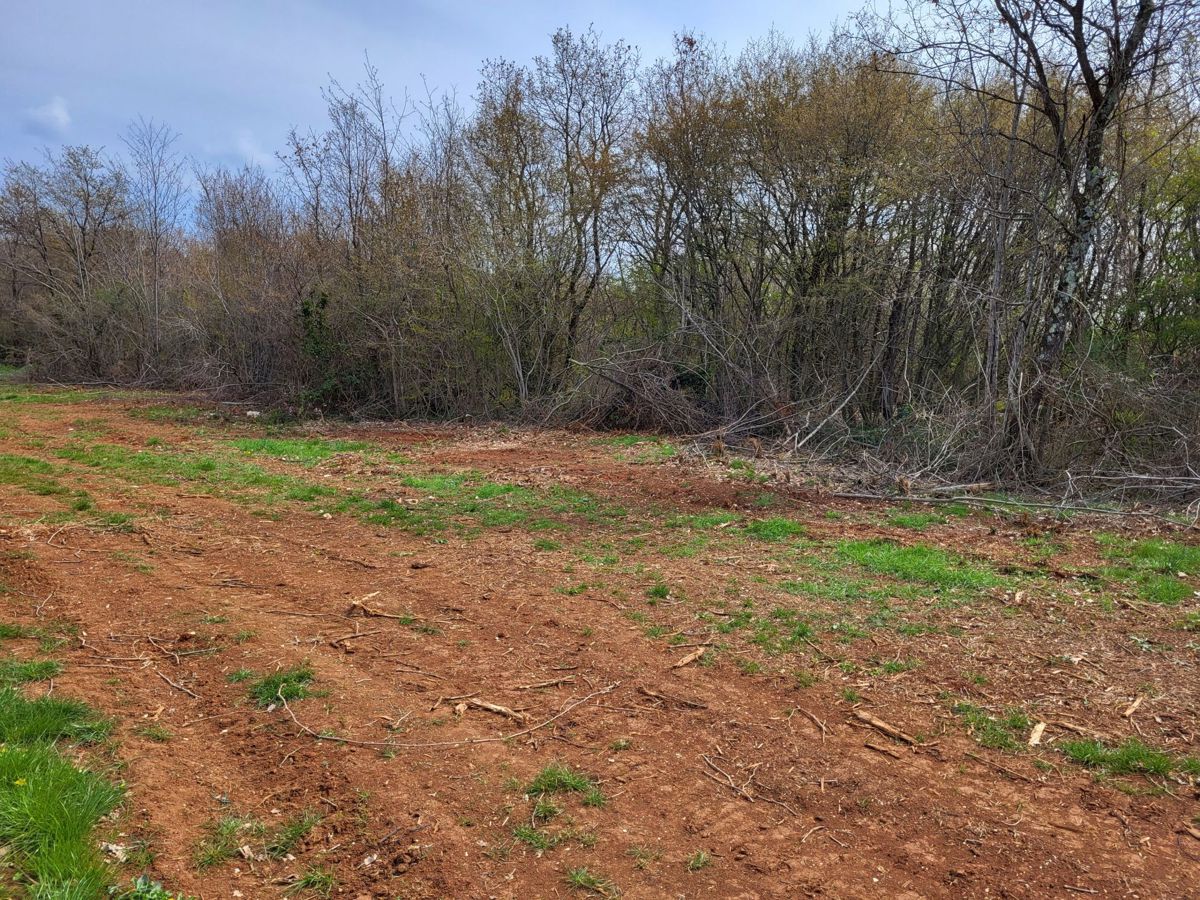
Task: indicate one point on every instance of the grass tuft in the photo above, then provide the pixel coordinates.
(286, 684)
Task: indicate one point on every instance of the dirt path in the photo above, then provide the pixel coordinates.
(747, 772)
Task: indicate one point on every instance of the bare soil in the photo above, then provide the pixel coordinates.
(756, 763)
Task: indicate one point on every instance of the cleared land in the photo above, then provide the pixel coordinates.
(455, 662)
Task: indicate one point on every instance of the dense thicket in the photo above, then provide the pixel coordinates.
(968, 239)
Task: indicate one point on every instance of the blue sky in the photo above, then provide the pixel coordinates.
(233, 77)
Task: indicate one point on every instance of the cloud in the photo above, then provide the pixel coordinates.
(51, 120)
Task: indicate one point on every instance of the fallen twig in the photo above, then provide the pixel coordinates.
(178, 687)
(885, 727)
(460, 743)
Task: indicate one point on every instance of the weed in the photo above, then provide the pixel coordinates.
(142, 888)
(698, 861)
(545, 809)
(536, 838)
(286, 684)
(315, 880)
(559, 778)
(660, 591)
(543, 545)
(222, 837)
(586, 880)
(620, 744)
(239, 675)
(156, 733)
(285, 838)
(643, 856)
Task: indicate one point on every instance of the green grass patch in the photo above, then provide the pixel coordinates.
(774, 529)
(583, 879)
(997, 732)
(917, 521)
(306, 451)
(286, 684)
(48, 807)
(284, 839)
(1132, 757)
(920, 563)
(222, 838)
(20, 671)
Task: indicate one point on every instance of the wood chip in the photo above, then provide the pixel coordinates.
(1035, 736)
(1133, 707)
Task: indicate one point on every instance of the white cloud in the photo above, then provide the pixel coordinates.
(51, 120)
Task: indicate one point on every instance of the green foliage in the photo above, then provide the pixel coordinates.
(289, 834)
(48, 807)
(1005, 732)
(774, 529)
(558, 778)
(143, 888)
(917, 521)
(927, 565)
(307, 451)
(286, 684)
(223, 837)
(585, 880)
(19, 671)
(314, 880)
(1132, 757)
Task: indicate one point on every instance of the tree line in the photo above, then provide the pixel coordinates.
(965, 237)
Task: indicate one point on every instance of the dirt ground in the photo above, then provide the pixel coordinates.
(728, 690)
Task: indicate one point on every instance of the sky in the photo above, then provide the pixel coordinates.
(234, 77)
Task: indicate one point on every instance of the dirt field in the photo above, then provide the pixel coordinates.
(547, 665)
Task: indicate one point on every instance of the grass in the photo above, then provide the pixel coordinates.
(288, 835)
(1130, 758)
(1153, 566)
(920, 563)
(286, 684)
(697, 861)
(774, 529)
(314, 880)
(306, 451)
(558, 778)
(48, 807)
(583, 879)
(222, 838)
(156, 733)
(1004, 732)
(917, 521)
(20, 671)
